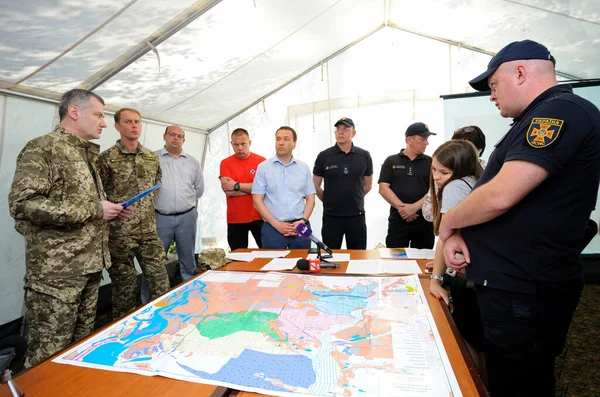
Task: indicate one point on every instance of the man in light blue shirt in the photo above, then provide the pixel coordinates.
(175, 204)
(283, 194)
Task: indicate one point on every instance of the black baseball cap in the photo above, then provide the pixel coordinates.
(420, 129)
(526, 49)
(346, 121)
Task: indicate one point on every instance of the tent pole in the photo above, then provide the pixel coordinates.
(468, 47)
(163, 33)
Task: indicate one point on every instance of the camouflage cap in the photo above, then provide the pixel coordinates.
(212, 257)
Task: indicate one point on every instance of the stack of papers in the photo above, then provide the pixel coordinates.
(415, 253)
(250, 256)
(378, 266)
(240, 256)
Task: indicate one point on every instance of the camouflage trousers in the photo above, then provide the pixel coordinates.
(54, 323)
(150, 254)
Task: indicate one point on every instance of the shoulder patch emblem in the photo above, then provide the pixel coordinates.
(543, 132)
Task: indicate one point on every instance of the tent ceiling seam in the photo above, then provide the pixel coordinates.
(467, 46)
(250, 61)
(84, 38)
(552, 12)
(321, 62)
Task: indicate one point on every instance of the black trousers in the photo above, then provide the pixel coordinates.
(354, 227)
(237, 234)
(523, 333)
(416, 234)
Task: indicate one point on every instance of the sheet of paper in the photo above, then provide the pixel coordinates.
(240, 256)
(270, 254)
(415, 253)
(281, 264)
(364, 266)
(336, 257)
(401, 267)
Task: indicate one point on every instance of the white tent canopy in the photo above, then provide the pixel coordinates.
(212, 66)
(200, 63)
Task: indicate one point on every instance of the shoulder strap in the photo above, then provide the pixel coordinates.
(468, 184)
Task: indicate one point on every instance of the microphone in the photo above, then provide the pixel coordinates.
(313, 265)
(305, 232)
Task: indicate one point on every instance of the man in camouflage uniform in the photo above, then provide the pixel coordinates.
(126, 169)
(58, 204)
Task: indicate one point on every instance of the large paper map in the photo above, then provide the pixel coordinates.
(284, 335)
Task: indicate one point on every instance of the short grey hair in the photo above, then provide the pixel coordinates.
(77, 97)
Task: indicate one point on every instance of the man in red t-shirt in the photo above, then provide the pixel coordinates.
(236, 175)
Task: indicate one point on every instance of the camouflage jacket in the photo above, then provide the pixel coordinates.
(56, 199)
(124, 174)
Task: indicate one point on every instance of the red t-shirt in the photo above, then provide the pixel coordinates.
(240, 209)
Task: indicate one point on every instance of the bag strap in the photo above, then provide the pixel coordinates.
(468, 184)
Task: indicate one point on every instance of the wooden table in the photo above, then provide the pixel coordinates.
(51, 379)
(256, 264)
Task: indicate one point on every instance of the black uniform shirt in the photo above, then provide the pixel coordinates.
(408, 179)
(538, 240)
(344, 175)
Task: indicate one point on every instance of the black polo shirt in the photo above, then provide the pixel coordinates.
(408, 179)
(538, 240)
(344, 174)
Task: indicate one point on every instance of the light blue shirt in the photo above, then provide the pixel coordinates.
(284, 186)
(182, 182)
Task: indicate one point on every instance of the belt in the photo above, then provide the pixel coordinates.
(175, 213)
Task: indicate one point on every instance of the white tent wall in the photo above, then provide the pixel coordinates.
(261, 121)
(480, 111)
(23, 119)
(373, 83)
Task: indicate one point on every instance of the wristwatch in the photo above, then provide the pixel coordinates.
(438, 278)
(236, 187)
(304, 220)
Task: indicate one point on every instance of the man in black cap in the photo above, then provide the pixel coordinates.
(348, 174)
(404, 183)
(520, 229)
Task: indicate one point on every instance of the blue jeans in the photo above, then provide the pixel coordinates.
(271, 238)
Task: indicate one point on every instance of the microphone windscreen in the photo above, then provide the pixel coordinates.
(303, 230)
(302, 264)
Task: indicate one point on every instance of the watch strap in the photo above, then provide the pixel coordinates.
(438, 278)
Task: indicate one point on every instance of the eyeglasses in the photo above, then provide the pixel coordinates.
(173, 134)
(343, 129)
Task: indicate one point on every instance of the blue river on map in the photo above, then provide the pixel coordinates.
(292, 370)
(107, 350)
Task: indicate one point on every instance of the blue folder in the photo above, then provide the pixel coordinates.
(137, 197)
